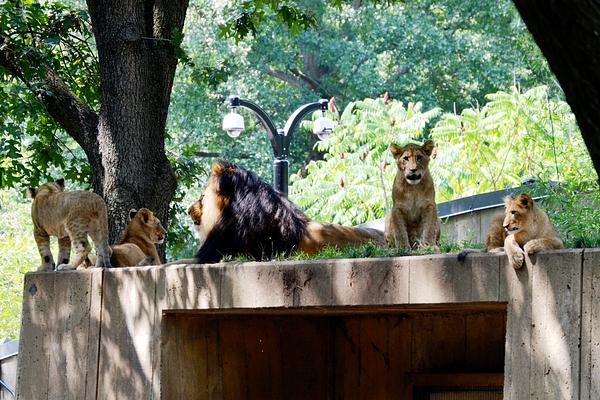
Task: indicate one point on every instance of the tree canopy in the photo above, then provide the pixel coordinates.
(443, 55)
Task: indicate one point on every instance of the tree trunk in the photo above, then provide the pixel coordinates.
(137, 67)
(567, 33)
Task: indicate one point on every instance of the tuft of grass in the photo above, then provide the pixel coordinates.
(368, 250)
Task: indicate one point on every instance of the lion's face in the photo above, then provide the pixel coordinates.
(146, 223)
(206, 211)
(517, 212)
(195, 212)
(413, 160)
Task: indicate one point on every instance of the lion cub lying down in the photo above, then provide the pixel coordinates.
(70, 216)
(523, 228)
(137, 245)
(413, 220)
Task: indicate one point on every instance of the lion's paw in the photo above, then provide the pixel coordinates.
(46, 267)
(65, 267)
(531, 248)
(517, 259)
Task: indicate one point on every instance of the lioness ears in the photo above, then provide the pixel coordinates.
(524, 200)
(31, 192)
(61, 183)
(144, 212)
(396, 150)
(428, 147)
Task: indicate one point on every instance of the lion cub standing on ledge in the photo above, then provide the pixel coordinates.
(413, 220)
(70, 216)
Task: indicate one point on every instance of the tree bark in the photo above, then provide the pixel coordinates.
(137, 66)
(567, 33)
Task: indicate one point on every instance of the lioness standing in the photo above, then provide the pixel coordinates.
(413, 220)
(70, 216)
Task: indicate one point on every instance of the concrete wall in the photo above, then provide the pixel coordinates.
(95, 334)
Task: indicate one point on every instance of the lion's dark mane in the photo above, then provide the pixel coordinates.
(256, 220)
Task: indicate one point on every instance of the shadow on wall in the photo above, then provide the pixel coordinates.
(98, 332)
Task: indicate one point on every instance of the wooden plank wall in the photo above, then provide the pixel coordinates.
(471, 226)
(590, 329)
(96, 334)
(219, 356)
(58, 346)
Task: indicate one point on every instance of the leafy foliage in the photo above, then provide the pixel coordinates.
(251, 14)
(49, 34)
(443, 54)
(18, 255)
(574, 209)
(351, 184)
(515, 135)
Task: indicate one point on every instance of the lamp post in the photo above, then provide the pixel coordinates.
(233, 124)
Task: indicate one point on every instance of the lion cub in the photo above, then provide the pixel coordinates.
(137, 243)
(413, 220)
(524, 228)
(70, 216)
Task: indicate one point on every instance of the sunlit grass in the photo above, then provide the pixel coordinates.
(368, 250)
(18, 255)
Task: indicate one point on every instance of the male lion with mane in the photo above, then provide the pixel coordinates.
(413, 220)
(239, 214)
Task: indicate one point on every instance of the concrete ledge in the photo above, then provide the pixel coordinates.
(95, 334)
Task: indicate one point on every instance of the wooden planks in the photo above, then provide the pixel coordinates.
(216, 355)
(59, 338)
(556, 329)
(129, 334)
(544, 326)
(590, 330)
(35, 339)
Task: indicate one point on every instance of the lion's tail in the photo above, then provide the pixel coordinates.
(319, 235)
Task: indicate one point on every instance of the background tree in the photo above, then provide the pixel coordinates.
(446, 54)
(124, 140)
(567, 33)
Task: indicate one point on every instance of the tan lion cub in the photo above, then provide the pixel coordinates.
(70, 216)
(137, 245)
(413, 220)
(524, 228)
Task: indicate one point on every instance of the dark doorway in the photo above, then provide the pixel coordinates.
(375, 352)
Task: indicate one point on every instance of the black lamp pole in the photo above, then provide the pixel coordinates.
(280, 138)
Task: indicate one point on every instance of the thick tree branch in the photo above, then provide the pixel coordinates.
(298, 79)
(287, 77)
(311, 82)
(78, 119)
(73, 115)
